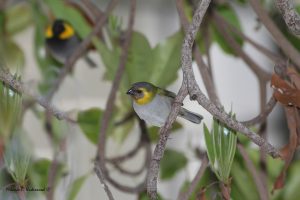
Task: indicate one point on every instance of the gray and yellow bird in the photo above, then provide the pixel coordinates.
(153, 104)
(62, 41)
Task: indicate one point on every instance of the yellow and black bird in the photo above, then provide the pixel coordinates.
(62, 41)
(153, 104)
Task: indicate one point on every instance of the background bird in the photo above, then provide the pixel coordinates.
(153, 104)
(62, 41)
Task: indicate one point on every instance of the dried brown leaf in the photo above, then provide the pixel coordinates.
(287, 152)
(284, 92)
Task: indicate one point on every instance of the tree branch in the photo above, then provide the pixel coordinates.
(99, 173)
(193, 185)
(264, 113)
(18, 86)
(290, 16)
(262, 191)
(186, 61)
(288, 49)
(110, 105)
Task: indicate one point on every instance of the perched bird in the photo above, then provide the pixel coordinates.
(153, 104)
(62, 41)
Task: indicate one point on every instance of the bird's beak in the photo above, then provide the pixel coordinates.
(130, 92)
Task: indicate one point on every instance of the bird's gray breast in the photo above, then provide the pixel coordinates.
(156, 112)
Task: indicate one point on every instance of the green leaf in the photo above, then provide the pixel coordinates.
(166, 60)
(39, 171)
(89, 122)
(12, 55)
(209, 145)
(153, 131)
(63, 11)
(17, 157)
(18, 18)
(76, 186)
(140, 59)
(171, 163)
(243, 186)
(230, 16)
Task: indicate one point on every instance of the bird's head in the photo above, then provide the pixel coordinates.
(142, 92)
(59, 30)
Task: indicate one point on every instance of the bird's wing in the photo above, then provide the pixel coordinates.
(167, 93)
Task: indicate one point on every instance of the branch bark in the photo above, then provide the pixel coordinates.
(18, 86)
(290, 16)
(186, 61)
(288, 49)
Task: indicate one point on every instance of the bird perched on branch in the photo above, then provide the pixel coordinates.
(62, 41)
(153, 104)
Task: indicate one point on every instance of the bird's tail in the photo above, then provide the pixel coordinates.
(188, 115)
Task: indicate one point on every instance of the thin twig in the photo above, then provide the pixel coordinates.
(100, 175)
(288, 49)
(18, 86)
(262, 191)
(110, 105)
(194, 183)
(69, 64)
(186, 61)
(259, 72)
(290, 15)
(271, 55)
(263, 114)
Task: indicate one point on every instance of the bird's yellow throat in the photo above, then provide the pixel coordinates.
(147, 98)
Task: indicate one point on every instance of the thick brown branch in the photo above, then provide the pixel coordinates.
(186, 60)
(288, 49)
(290, 15)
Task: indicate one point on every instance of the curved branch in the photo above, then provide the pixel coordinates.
(288, 49)
(261, 118)
(290, 16)
(194, 183)
(186, 60)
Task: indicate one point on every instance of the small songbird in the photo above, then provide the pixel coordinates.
(62, 41)
(153, 104)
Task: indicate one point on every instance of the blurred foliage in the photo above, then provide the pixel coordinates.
(158, 64)
(17, 158)
(171, 163)
(10, 109)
